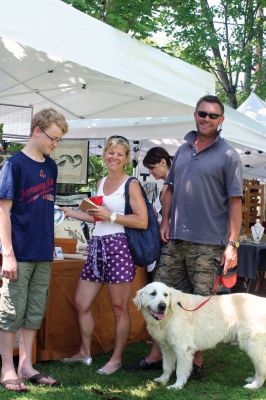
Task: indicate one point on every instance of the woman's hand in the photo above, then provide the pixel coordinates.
(101, 213)
(81, 216)
(67, 211)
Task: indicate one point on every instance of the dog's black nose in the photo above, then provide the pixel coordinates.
(161, 306)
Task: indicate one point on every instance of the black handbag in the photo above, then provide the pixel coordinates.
(144, 244)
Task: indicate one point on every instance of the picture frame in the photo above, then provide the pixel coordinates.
(71, 158)
(71, 229)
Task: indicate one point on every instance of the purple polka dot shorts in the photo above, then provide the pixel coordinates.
(109, 260)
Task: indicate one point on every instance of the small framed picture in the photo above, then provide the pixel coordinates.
(58, 253)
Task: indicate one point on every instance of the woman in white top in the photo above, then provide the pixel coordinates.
(109, 260)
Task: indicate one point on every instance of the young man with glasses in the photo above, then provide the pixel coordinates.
(27, 194)
(202, 209)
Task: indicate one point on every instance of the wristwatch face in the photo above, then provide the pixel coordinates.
(234, 243)
(113, 218)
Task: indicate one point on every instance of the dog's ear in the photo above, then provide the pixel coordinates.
(173, 299)
(137, 299)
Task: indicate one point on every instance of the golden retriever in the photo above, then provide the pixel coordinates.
(238, 317)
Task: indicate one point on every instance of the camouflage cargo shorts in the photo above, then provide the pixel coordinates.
(190, 267)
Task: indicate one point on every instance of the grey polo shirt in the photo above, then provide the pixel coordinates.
(202, 184)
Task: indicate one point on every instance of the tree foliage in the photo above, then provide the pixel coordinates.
(135, 16)
(225, 37)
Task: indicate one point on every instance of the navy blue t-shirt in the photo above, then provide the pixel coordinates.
(31, 187)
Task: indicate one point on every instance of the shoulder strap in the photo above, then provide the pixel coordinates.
(127, 191)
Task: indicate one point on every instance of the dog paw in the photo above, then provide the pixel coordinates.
(250, 379)
(175, 387)
(251, 386)
(161, 379)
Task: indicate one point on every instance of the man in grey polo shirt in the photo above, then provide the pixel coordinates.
(202, 209)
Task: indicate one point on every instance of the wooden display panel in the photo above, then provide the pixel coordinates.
(253, 204)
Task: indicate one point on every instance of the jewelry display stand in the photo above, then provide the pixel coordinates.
(257, 231)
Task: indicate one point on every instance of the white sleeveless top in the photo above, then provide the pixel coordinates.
(115, 202)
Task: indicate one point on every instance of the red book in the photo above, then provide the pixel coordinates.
(87, 205)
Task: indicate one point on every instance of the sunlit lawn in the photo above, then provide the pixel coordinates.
(226, 369)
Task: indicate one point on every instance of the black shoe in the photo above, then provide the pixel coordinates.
(143, 365)
(197, 372)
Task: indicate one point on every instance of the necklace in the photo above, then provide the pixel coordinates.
(258, 232)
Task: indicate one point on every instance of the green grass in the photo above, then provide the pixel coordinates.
(226, 368)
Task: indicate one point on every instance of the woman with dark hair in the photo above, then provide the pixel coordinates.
(158, 162)
(156, 155)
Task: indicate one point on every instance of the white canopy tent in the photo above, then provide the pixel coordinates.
(255, 161)
(237, 128)
(53, 55)
(246, 135)
(254, 107)
(104, 81)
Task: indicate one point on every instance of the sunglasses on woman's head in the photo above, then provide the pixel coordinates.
(122, 138)
(203, 114)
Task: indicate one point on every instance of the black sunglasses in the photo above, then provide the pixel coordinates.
(203, 114)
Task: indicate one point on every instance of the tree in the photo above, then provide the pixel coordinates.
(135, 16)
(225, 37)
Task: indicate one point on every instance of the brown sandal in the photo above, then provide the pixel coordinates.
(17, 382)
(37, 379)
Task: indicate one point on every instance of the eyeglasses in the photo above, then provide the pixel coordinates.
(203, 114)
(53, 140)
(122, 138)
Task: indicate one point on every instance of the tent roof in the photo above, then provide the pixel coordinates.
(54, 55)
(237, 128)
(255, 108)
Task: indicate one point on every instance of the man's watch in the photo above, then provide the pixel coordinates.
(234, 243)
(112, 218)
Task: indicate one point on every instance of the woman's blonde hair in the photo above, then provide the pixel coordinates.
(114, 141)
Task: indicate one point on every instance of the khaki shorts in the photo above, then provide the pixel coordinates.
(190, 267)
(23, 302)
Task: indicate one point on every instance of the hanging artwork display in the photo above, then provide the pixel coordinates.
(71, 158)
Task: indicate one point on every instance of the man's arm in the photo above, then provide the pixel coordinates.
(9, 262)
(235, 219)
(166, 201)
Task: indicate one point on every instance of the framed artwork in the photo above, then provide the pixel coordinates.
(73, 200)
(69, 229)
(71, 158)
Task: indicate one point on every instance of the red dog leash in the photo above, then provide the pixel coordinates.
(228, 280)
(205, 301)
